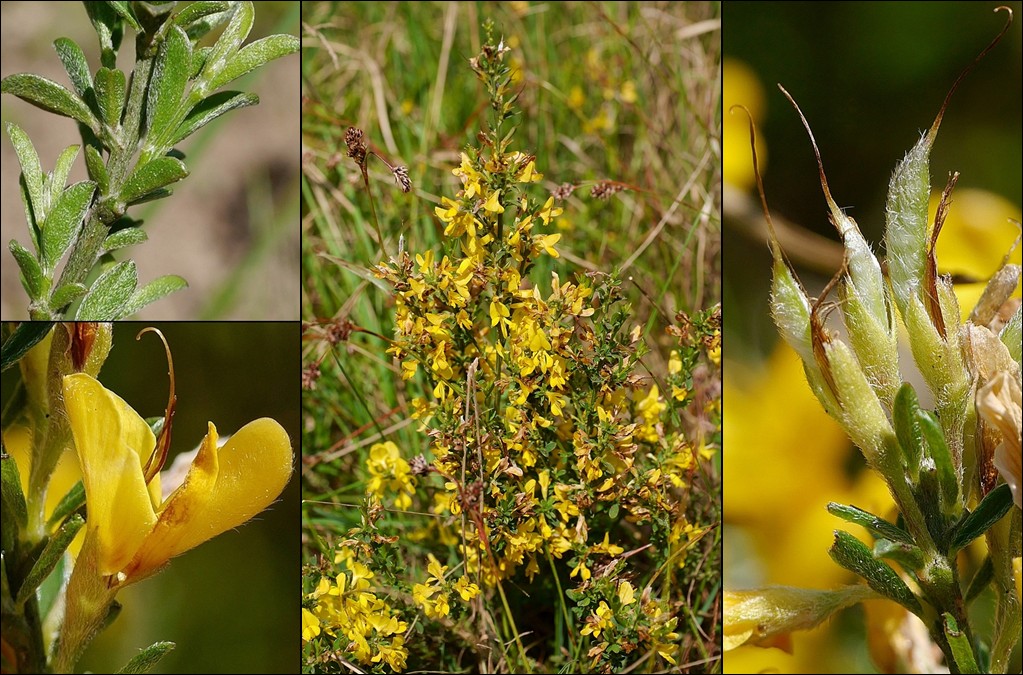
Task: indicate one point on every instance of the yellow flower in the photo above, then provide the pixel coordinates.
(626, 594)
(466, 589)
(310, 625)
(598, 621)
(492, 204)
(133, 528)
(550, 211)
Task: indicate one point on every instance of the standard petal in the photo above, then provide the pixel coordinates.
(112, 442)
(224, 488)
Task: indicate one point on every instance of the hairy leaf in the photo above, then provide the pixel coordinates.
(73, 58)
(110, 88)
(211, 108)
(49, 95)
(31, 272)
(254, 55)
(153, 291)
(109, 294)
(154, 175)
(167, 86)
(64, 221)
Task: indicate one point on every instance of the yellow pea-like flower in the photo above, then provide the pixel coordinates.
(134, 529)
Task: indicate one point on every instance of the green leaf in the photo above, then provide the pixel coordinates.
(877, 526)
(853, 555)
(97, 169)
(612, 513)
(153, 291)
(154, 175)
(73, 58)
(980, 580)
(110, 87)
(907, 555)
(995, 505)
(198, 10)
(962, 651)
(938, 450)
(109, 294)
(64, 221)
(254, 55)
(13, 496)
(147, 659)
(167, 86)
(66, 294)
(124, 11)
(31, 170)
(209, 109)
(153, 196)
(49, 95)
(49, 558)
(68, 504)
(230, 40)
(907, 428)
(31, 272)
(109, 29)
(26, 336)
(57, 180)
(129, 236)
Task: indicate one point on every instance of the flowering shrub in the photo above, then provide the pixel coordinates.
(551, 521)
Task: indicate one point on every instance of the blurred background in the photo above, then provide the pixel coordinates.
(231, 605)
(230, 228)
(870, 77)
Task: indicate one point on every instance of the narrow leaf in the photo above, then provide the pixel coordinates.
(254, 55)
(31, 272)
(153, 196)
(153, 291)
(26, 336)
(209, 109)
(30, 167)
(853, 555)
(49, 558)
(64, 221)
(907, 428)
(68, 504)
(109, 29)
(962, 651)
(877, 526)
(938, 450)
(167, 86)
(230, 40)
(198, 10)
(109, 294)
(129, 236)
(57, 180)
(73, 58)
(97, 169)
(124, 11)
(110, 87)
(147, 659)
(154, 175)
(66, 294)
(907, 555)
(995, 505)
(49, 95)
(13, 496)
(980, 580)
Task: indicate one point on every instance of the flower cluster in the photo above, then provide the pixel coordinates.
(345, 607)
